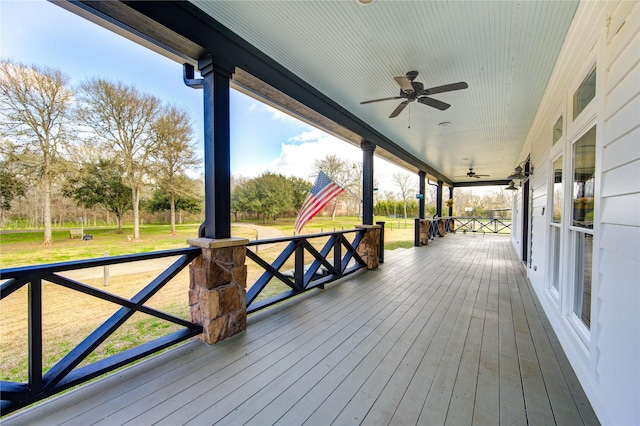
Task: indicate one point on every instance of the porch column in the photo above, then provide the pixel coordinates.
(367, 182)
(421, 177)
(217, 290)
(217, 169)
(439, 199)
(450, 204)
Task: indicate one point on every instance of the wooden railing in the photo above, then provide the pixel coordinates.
(66, 373)
(435, 227)
(312, 268)
(439, 226)
(337, 258)
(483, 225)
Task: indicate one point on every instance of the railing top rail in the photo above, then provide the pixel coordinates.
(481, 218)
(300, 237)
(89, 263)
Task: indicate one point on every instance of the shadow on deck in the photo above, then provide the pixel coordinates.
(445, 334)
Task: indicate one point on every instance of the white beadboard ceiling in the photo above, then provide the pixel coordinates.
(504, 50)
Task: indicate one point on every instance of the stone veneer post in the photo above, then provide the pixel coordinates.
(217, 291)
(369, 247)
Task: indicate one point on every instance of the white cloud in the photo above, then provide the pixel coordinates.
(297, 159)
(300, 152)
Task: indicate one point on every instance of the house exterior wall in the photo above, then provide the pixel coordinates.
(606, 353)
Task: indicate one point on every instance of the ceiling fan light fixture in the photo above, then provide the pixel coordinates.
(444, 123)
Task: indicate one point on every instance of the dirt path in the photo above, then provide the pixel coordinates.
(263, 232)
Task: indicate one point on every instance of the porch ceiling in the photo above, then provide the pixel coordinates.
(348, 52)
(504, 50)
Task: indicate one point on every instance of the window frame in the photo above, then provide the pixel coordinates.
(571, 235)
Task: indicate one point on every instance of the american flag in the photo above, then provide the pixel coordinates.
(322, 191)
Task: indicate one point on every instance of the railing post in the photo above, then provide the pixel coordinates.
(381, 257)
(369, 247)
(217, 292)
(337, 253)
(299, 266)
(35, 336)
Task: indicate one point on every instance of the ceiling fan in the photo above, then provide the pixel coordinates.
(414, 90)
(473, 174)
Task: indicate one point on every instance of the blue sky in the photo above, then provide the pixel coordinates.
(262, 138)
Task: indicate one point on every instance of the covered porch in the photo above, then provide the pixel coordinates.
(450, 333)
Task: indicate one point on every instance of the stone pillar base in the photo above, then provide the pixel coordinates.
(217, 292)
(369, 247)
(424, 224)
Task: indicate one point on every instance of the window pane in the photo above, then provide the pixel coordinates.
(582, 290)
(584, 167)
(555, 257)
(557, 130)
(584, 94)
(558, 193)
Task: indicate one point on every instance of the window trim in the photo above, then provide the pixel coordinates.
(568, 293)
(574, 96)
(574, 126)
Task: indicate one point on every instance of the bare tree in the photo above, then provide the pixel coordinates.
(501, 199)
(122, 120)
(34, 116)
(407, 185)
(469, 203)
(174, 154)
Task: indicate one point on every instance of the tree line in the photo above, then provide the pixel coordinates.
(102, 143)
(108, 147)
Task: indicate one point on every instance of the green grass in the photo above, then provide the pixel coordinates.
(26, 248)
(398, 244)
(21, 248)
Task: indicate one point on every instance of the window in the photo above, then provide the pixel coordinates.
(584, 165)
(556, 221)
(584, 94)
(557, 130)
(583, 186)
(558, 193)
(583, 244)
(555, 257)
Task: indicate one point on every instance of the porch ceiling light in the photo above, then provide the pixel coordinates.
(512, 186)
(519, 173)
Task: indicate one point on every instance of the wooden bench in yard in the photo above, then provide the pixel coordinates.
(75, 233)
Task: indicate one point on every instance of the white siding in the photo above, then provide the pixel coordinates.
(608, 363)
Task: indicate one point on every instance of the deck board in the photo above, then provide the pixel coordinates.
(449, 333)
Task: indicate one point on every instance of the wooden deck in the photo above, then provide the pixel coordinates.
(445, 334)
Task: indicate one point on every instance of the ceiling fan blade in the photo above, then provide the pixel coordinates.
(380, 100)
(434, 103)
(405, 84)
(399, 109)
(446, 88)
